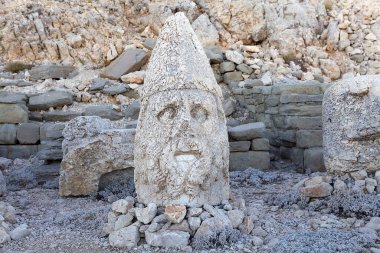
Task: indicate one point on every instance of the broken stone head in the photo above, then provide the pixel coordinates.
(351, 125)
(181, 145)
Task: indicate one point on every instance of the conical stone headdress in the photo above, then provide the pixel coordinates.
(178, 61)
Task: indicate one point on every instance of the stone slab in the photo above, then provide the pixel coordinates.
(130, 60)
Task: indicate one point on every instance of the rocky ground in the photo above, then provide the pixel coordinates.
(284, 221)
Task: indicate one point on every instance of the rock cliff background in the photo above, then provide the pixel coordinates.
(307, 40)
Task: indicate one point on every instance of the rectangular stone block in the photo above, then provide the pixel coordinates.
(266, 90)
(300, 98)
(8, 134)
(313, 159)
(300, 110)
(250, 159)
(239, 146)
(247, 132)
(308, 123)
(287, 135)
(50, 150)
(28, 133)
(311, 89)
(309, 138)
(271, 101)
(51, 131)
(18, 151)
(296, 155)
(13, 113)
(261, 144)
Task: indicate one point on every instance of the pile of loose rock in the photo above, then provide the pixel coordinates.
(327, 185)
(176, 226)
(9, 230)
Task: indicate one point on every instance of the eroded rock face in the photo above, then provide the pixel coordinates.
(351, 125)
(91, 149)
(181, 145)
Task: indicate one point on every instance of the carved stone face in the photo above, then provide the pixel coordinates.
(351, 124)
(181, 152)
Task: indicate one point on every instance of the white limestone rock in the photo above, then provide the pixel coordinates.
(127, 237)
(181, 145)
(351, 125)
(146, 215)
(205, 30)
(167, 238)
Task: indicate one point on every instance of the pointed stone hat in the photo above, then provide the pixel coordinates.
(178, 61)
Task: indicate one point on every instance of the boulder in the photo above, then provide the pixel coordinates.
(81, 167)
(131, 60)
(146, 215)
(175, 213)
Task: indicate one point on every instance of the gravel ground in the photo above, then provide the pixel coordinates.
(73, 224)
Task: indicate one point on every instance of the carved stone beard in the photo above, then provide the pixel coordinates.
(187, 153)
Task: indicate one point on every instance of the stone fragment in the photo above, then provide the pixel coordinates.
(4, 236)
(370, 185)
(133, 110)
(81, 167)
(19, 232)
(214, 54)
(267, 78)
(247, 131)
(359, 175)
(205, 31)
(180, 101)
(12, 98)
(352, 143)
(250, 159)
(167, 238)
(60, 115)
(103, 111)
(50, 99)
(182, 226)
(247, 225)
(99, 84)
(123, 221)
(146, 215)
(257, 241)
(194, 211)
(8, 134)
(330, 68)
(114, 90)
(50, 71)
(234, 56)
(28, 133)
(318, 190)
(235, 76)
(175, 213)
(239, 146)
(122, 206)
(127, 237)
(339, 186)
(13, 113)
(131, 60)
(236, 217)
(134, 77)
(244, 68)
(194, 223)
(226, 66)
(212, 225)
(260, 144)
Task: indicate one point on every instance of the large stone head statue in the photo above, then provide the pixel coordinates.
(181, 145)
(351, 125)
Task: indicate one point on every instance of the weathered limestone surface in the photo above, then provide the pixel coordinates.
(91, 148)
(181, 145)
(351, 125)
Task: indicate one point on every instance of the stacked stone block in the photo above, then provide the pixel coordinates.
(249, 147)
(292, 114)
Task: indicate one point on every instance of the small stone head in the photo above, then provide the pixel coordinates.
(181, 145)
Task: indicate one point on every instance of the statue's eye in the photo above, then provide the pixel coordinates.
(167, 114)
(199, 113)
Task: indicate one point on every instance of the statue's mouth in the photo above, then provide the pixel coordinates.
(187, 156)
